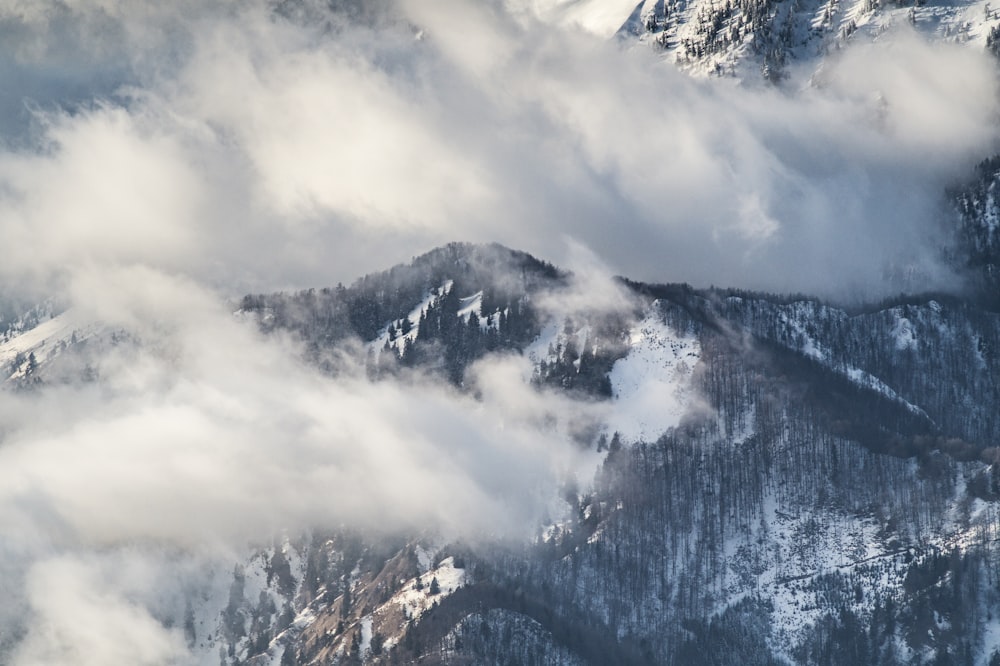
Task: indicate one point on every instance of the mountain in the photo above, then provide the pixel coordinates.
(478, 456)
(770, 39)
(816, 484)
(979, 230)
(776, 480)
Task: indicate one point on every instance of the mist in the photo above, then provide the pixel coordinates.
(157, 161)
(200, 439)
(251, 151)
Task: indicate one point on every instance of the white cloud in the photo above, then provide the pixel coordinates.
(187, 150)
(265, 152)
(592, 292)
(105, 190)
(202, 437)
(76, 619)
(222, 436)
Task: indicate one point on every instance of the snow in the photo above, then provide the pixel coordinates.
(467, 306)
(817, 29)
(366, 635)
(868, 380)
(46, 336)
(304, 618)
(470, 304)
(398, 343)
(449, 577)
(652, 385)
(415, 602)
(538, 350)
(991, 639)
(424, 558)
(799, 545)
(989, 218)
(809, 346)
(903, 332)
(45, 340)
(214, 597)
(474, 304)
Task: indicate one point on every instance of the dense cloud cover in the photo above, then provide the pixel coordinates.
(158, 155)
(201, 439)
(254, 149)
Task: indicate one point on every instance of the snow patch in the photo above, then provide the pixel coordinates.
(415, 597)
(411, 323)
(652, 385)
(904, 334)
(469, 305)
(538, 350)
(802, 340)
(46, 339)
(366, 635)
(424, 558)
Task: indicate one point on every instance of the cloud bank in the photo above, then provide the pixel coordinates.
(252, 149)
(156, 157)
(201, 438)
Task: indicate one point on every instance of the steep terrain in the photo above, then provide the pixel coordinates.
(771, 39)
(777, 480)
(979, 231)
(783, 481)
(479, 457)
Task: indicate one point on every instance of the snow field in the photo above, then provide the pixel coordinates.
(652, 385)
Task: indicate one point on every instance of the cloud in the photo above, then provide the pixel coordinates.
(159, 158)
(219, 435)
(592, 291)
(76, 619)
(268, 152)
(107, 191)
(203, 437)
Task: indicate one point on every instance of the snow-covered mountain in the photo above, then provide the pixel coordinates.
(750, 39)
(774, 479)
(782, 481)
(479, 457)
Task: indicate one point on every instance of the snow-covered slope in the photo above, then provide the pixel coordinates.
(652, 385)
(770, 38)
(26, 348)
(773, 481)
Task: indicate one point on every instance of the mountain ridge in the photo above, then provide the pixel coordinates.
(802, 490)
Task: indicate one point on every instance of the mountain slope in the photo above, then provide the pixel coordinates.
(823, 494)
(769, 39)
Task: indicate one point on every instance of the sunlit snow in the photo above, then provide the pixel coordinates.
(652, 385)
